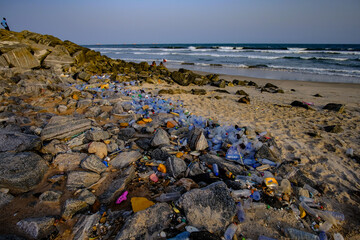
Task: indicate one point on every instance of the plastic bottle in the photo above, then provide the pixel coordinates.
(181, 236)
(306, 199)
(233, 153)
(295, 210)
(332, 217)
(262, 237)
(311, 189)
(230, 231)
(296, 234)
(308, 209)
(215, 169)
(240, 212)
(256, 196)
(243, 193)
(322, 236)
(326, 226)
(167, 197)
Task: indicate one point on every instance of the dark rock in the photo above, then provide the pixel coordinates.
(72, 206)
(97, 135)
(254, 84)
(203, 235)
(233, 167)
(198, 91)
(80, 179)
(83, 76)
(37, 228)
(21, 58)
(93, 163)
(335, 107)
(68, 161)
(201, 81)
(175, 166)
(300, 104)
(172, 91)
(241, 92)
(50, 196)
(161, 137)
(197, 140)
(159, 154)
(93, 112)
(211, 208)
(270, 85)
(333, 129)
(83, 103)
(221, 91)
(195, 169)
(219, 84)
(125, 158)
(293, 90)
(238, 82)
(126, 133)
(5, 199)
(317, 95)
(21, 172)
(84, 225)
(266, 152)
(17, 141)
(10, 237)
(244, 99)
(146, 224)
(144, 143)
(118, 185)
(183, 79)
(87, 196)
(60, 127)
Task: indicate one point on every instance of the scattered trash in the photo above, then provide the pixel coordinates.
(140, 203)
(122, 197)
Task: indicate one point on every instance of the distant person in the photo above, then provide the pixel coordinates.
(161, 64)
(4, 24)
(153, 64)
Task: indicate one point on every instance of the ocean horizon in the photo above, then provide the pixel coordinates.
(305, 62)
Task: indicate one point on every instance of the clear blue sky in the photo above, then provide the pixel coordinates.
(188, 21)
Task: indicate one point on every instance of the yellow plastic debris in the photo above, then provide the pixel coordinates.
(271, 183)
(176, 114)
(147, 120)
(179, 154)
(145, 107)
(124, 124)
(170, 124)
(75, 97)
(104, 86)
(107, 141)
(140, 203)
(230, 84)
(161, 168)
(141, 122)
(302, 212)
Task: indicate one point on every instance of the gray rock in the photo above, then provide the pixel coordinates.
(21, 58)
(21, 172)
(146, 224)
(160, 138)
(72, 206)
(87, 196)
(118, 185)
(84, 225)
(84, 76)
(55, 147)
(175, 166)
(68, 161)
(93, 163)
(335, 107)
(50, 196)
(265, 152)
(333, 129)
(125, 158)
(37, 228)
(17, 141)
(195, 169)
(211, 208)
(233, 167)
(97, 135)
(118, 108)
(84, 103)
(197, 140)
(112, 147)
(126, 133)
(60, 127)
(5, 199)
(80, 179)
(62, 108)
(93, 111)
(76, 141)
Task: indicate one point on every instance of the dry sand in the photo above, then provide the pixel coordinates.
(322, 158)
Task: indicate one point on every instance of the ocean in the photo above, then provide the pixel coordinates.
(306, 62)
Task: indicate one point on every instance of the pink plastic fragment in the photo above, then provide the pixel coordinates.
(154, 178)
(122, 197)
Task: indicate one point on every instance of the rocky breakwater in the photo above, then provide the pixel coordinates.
(84, 156)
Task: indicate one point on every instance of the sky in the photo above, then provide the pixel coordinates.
(188, 21)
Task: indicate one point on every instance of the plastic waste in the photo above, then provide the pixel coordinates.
(230, 231)
(161, 168)
(271, 182)
(181, 236)
(167, 197)
(240, 212)
(308, 209)
(233, 153)
(262, 237)
(122, 197)
(326, 226)
(338, 236)
(154, 178)
(332, 217)
(306, 199)
(256, 196)
(191, 229)
(311, 189)
(296, 234)
(285, 186)
(295, 210)
(140, 203)
(215, 169)
(322, 235)
(242, 193)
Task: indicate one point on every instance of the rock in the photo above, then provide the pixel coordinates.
(238, 82)
(203, 235)
(146, 224)
(317, 95)
(118, 109)
(197, 140)
(219, 84)
(80, 179)
(333, 129)
(118, 185)
(71, 207)
(21, 58)
(198, 91)
(126, 133)
(60, 127)
(76, 141)
(50, 196)
(5, 199)
(56, 178)
(172, 91)
(195, 170)
(83, 227)
(175, 166)
(93, 112)
(300, 104)
(87, 196)
(62, 108)
(83, 76)
(183, 79)
(57, 60)
(19, 141)
(245, 100)
(233, 167)
(254, 84)
(266, 152)
(241, 92)
(84, 103)
(211, 208)
(98, 148)
(97, 135)
(68, 161)
(93, 163)
(21, 172)
(10, 237)
(37, 228)
(160, 154)
(125, 158)
(55, 147)
(160, 138)
(335, 107)
(222, 91)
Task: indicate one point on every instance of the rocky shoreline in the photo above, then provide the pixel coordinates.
(78, 131)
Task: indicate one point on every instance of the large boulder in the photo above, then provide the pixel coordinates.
(57, 59)
(197, 140)
(146, 224)
(211, 208)
(37, 228)
(21, 58)
(17, 141)
(21, 172)
(125, 158)
(68, 161)
(183, 79)
(60, 127)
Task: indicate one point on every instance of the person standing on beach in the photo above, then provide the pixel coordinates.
(4, 24)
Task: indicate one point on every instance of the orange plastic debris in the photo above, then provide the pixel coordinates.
(107, 141)
(179, 154)
(140, 203)
(141, 122)
(145, 107)
(147, 120)
(161, 168)
(75, 96)
(170, 124)
(124, 124)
